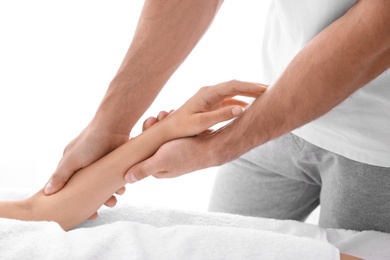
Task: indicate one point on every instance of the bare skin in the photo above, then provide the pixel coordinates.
(90, 187)
(163, 114)
(145, 69)
(176, 26)
(342, 58)
(349, 257)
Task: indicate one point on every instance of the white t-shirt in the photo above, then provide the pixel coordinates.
(358, 128)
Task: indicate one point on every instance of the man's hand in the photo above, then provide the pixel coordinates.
(171, 160)
(186, 155)
(85, 149)
(137, 83)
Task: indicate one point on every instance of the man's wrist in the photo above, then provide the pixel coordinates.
(117, 112)
(217, 148)
(109, 122)
(235, 139)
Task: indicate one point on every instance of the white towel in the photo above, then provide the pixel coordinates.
(128, 232)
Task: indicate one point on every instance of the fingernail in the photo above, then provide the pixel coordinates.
(48, 188)
(236, 111)
(130, 178)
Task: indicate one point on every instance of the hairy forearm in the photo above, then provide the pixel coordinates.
(166, 33)
(337, 62)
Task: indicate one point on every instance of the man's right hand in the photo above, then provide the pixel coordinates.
(88, 147)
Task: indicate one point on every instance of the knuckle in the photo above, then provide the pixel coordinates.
(224, 114)
(204, 89)
(158, 175)
(159, 160)
(142, 173)
(200, 121)
(161, 175)
(230, 82)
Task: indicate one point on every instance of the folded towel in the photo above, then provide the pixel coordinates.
(129, 232)
(365, 244)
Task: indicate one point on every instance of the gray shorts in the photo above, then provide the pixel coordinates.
(287, 178)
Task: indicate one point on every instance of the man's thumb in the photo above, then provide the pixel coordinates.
(58, 180)
(53, 186)
(138, 172)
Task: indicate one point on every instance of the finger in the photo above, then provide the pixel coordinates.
(59, 178)
(149, 122)
(223, 114)
(111, 202)
(232, 102)
(206, 132)
(121, 191)
(162, 115)
(94, 216)
(242, 88)
(221, 91)
(141, 170)
(152, 120)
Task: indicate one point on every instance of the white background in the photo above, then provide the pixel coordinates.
(56, 61)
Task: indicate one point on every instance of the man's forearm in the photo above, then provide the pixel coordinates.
(337, 62)
(167, 31)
